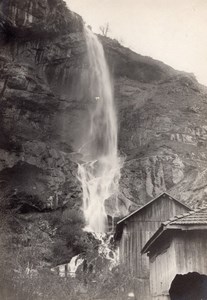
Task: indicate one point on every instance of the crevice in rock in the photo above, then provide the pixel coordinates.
(4, 87)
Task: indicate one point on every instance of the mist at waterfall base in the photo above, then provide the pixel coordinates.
(100, 172)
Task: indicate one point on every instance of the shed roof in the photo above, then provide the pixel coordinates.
(193, 220)
(149, 203)
(195, 217)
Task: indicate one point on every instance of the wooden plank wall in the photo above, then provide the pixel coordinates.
(162, 271)
(137, 231)
(186, 253)
(191, 251)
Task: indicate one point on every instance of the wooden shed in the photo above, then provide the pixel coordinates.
(132, 233)
(178, 258)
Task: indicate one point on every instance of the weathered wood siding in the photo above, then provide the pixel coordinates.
(191, 251)
(137, 231)
(162, 271)
(186, 252)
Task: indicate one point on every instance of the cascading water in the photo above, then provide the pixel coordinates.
(100, 172)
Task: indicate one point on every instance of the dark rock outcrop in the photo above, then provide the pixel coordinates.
(37, 19)
(40, 42)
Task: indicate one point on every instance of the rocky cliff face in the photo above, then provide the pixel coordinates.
(164, 138)
(41, 42)
(162, 129)
(44, 110)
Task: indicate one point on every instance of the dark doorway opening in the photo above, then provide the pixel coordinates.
(191, 286)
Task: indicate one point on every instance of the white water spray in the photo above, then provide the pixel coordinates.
(74, 264)
(100, 172)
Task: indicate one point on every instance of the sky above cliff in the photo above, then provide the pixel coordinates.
(173, 31)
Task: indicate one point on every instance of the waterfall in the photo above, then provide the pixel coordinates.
(100, 172)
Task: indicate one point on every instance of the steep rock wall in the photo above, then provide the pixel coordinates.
(162, 129)
(40, 42)
(163, 134)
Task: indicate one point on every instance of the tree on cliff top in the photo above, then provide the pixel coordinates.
(104, 29)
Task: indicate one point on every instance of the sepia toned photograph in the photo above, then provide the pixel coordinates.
(103, 150)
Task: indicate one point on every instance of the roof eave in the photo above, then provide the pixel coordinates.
(153, 239)
(163, 228)
(148, 203)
